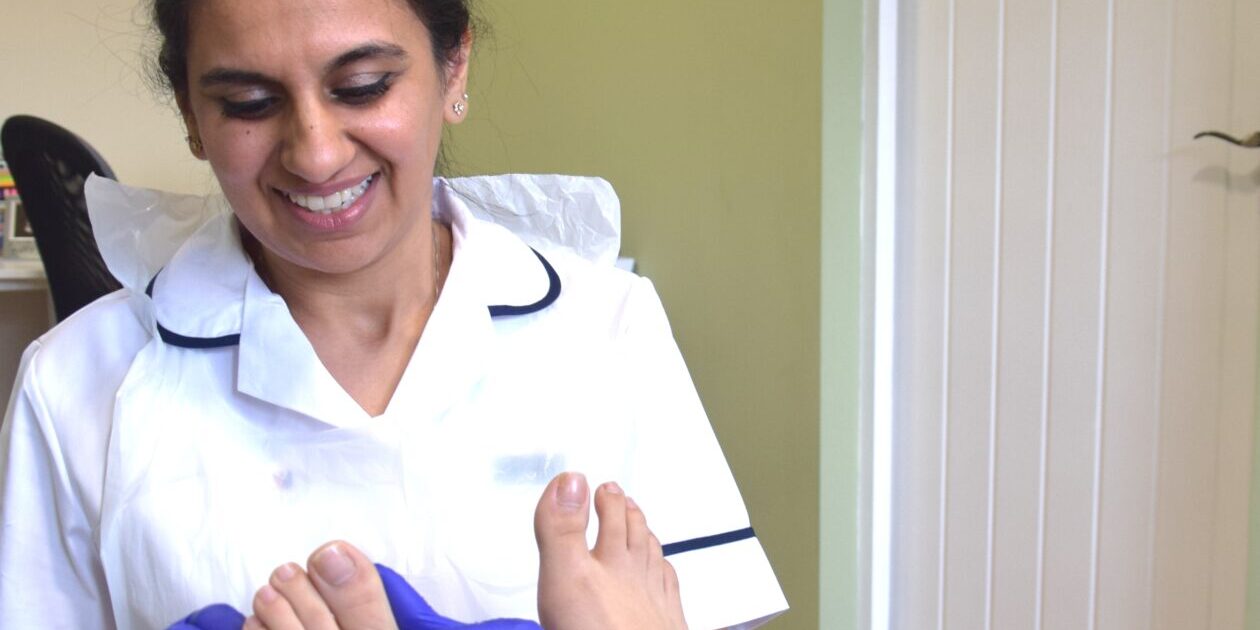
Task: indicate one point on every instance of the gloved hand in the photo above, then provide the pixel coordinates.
(212, 617)
(410, 610)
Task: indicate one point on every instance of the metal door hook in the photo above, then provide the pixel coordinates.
(1250, 142)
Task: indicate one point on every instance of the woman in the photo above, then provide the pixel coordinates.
(352, 355)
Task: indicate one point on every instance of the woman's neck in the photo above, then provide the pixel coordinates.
(364, 325)
(400, 286)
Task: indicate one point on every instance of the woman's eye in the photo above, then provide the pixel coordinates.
(250, 109)
(366, 91)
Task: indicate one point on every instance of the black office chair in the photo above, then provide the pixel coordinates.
(49, 165)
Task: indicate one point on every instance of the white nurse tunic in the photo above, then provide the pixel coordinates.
(169, 445)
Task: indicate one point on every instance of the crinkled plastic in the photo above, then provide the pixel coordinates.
(580, 214)
(138, 230)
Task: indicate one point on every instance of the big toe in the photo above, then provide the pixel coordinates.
(562, 514)
(350, 586)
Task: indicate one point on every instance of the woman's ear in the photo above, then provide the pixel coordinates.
(457, 82)
(190, 127)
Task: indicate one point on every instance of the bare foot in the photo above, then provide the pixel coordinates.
(340, 589)
(625, 583)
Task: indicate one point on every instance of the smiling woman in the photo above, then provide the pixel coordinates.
(322, 129)
(331, 99)
(351, 354)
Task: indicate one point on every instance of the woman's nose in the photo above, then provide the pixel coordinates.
(316, 147)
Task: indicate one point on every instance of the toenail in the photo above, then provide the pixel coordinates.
(612, 487)
(268, 594)
(334, 565)
(285, 572)
(571, 491)
(631, 504)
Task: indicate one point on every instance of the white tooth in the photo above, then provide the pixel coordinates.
(335, 202)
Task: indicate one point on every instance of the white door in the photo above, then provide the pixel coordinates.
(1076, 316)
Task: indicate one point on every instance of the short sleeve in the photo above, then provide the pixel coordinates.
(50, 574)
(682, 481)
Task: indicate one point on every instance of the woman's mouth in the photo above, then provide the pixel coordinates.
(334, 203)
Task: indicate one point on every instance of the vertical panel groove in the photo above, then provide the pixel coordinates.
(1047, 313)
(1162, 308)
(1221, 330)
(947, 317)
(996, 312)
(1100, 397)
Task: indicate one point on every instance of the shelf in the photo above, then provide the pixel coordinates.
(22, 275)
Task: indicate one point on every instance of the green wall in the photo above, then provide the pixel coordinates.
(707, 117)
(840, 584)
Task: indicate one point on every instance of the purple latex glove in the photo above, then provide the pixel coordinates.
(212, 617)
(411, 612)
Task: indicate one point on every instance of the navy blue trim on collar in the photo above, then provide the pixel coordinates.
(708, 541)
(502, 310)
(195, 343)
(553, 292)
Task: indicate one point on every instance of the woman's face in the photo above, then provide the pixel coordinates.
(321, 120)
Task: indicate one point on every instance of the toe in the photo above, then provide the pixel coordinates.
(296, 588)
(610, 505)
(563, 558)
(673, 598)
(638, 536)
(656, 565)
(350, 586)
(670, 579)
(274, 612)
(562, 515)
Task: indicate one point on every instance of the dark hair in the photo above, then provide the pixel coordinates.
(446, 20)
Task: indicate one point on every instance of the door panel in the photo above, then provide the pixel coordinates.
(1077, 314)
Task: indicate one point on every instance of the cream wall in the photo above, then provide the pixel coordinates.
(706, 115)
(81, 63)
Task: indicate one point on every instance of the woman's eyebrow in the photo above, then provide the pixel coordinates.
(228, 76)
(370, 50)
